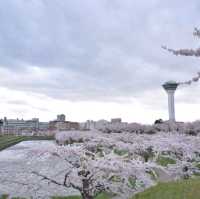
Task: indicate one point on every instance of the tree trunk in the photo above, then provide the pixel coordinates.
(85, 191)
(86, 196)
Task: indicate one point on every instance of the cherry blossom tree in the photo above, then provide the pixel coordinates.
(92, 175)
(80, 174)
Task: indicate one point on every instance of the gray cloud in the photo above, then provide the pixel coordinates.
(97, 50)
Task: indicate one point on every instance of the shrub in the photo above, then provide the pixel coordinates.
(153, 174)
(132, 182)
(159, 121)
(147, 153)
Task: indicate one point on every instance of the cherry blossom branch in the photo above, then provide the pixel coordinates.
(58, 183)
(47, 178)
(196, 32)
(186, 52)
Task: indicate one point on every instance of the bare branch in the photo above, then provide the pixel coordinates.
(76, 187)
(65, 179)
(58, 183)
(47, 178)
(73, 164)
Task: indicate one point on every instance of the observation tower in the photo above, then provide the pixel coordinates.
(170, 87)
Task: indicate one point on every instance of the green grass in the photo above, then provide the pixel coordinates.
(18, 198)
(121, 152)
(115, 178)
(10, 140)
(164, 161)
(132, 182)
(69, 197)
(198, 165)
(185, 189)
(4, 196)
(104, 196)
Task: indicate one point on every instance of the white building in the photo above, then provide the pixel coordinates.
(20, 126)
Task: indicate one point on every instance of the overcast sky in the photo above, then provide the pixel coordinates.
(96, 59)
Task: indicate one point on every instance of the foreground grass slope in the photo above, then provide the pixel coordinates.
(186, 189)
(9, 140)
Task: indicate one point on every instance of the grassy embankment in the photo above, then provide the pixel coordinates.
(185, 189)
(9, 140)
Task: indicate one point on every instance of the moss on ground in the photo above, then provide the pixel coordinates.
(198, 165)
(115, 178)
(164, 161)
(120, 152)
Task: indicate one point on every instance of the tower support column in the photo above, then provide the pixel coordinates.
(171, 107)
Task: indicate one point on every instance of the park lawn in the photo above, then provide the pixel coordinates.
(10, 140)
(184, 189)
(69, 197)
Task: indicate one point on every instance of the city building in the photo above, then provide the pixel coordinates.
(35, 127)
(116, 120)
(1, 126)
(61, 117)
(61, 125)
(43, 126)
(18, 127)
(89, 124)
